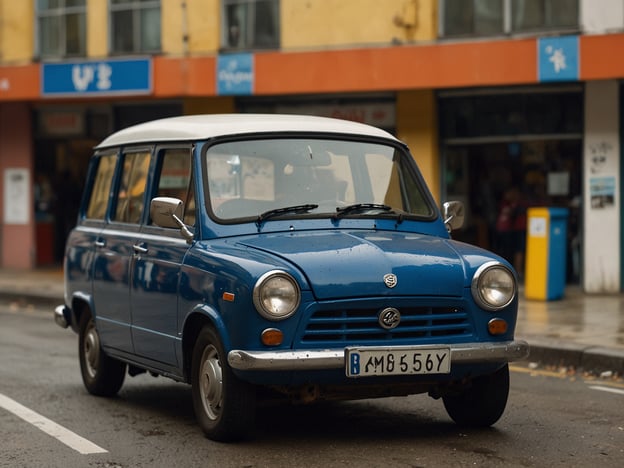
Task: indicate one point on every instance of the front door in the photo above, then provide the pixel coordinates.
(159, 254)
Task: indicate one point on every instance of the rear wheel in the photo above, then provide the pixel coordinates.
(224, 405)
(483, 402)
(101, 374)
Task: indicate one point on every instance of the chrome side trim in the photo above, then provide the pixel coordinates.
(335, 358)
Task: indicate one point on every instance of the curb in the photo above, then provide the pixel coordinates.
(41, 300)
(588, 358)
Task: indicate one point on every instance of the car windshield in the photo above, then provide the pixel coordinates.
(305, 177)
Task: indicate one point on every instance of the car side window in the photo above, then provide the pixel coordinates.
(98, 200)
(131, 193)
(175, 180)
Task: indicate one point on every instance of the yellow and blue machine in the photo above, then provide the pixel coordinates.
(545, 268)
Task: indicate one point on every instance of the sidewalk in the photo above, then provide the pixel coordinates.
(580, 331)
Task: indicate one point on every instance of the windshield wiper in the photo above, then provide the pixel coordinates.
(345, 210)
(296, 209)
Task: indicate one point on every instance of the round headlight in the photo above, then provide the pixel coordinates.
(493, 286)
(276, 295)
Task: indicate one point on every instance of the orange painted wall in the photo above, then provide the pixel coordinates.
(396, 68)
(505, 62)
(19, 83)
(600, 57)
(184, 76)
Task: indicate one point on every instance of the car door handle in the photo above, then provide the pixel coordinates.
(139, 248)
(99, 243)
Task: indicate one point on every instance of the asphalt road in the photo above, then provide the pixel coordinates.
(47, 419)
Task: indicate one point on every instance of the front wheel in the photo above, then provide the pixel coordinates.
(224, 405)
(101, 374)
(483, 402)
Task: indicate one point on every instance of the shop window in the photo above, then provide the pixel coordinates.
(250, 24)
(134, 26)
(125, 115)
(62, 30)
(511, 115)
(491, 17)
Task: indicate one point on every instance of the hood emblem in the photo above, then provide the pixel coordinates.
(389, 318)
(390, 280)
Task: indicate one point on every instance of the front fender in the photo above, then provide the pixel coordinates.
(199, 316)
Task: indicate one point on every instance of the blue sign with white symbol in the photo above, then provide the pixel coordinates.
(102, 77)
(235, 74)
(354, 364)
(558, 58)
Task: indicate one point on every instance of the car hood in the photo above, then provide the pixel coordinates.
(341, 264)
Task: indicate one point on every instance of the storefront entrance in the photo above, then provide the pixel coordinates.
(505, 153)
(64, 142)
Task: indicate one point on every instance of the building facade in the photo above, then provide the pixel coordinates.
(497, 100)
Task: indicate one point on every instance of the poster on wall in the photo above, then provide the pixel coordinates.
(16, 196)
(602, 192)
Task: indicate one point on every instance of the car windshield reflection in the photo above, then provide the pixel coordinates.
(269, 178)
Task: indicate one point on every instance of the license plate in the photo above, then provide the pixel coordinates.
(369, 362)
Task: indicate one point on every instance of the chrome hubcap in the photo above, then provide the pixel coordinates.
(211, 383)
(92, 350)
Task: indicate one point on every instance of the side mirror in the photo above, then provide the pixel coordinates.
(167, 212)
(454, 215)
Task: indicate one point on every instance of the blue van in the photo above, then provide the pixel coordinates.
(301, 254)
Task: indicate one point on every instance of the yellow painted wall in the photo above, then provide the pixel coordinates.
(304, 24)
(97, 28)
(200, 20)
(417, 125)
(334, 23)
(16, 31)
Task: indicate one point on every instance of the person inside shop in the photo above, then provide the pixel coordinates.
(511, 228)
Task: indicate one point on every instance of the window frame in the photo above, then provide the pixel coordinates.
(189, 216)
(136, 8)
(62, 13)
(122, 215)
(95, 188)
(507, 23)
(250, 31)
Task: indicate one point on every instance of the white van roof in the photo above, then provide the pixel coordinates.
(201, 127)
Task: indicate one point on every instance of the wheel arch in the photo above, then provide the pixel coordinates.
(193, 324)
(80, 304)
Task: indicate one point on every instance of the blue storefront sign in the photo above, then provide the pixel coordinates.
(558, 58)
(235, 74)
(101, 77)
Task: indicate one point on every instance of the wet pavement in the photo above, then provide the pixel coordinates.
(580, 331)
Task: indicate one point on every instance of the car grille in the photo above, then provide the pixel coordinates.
(340, 327)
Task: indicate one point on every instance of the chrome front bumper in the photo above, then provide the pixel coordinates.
(320, 359)
(62, 316)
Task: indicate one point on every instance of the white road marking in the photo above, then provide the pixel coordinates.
(607, 389)
(51, 428)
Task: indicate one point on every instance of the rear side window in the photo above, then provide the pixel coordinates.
(131, 194)
(98, 200)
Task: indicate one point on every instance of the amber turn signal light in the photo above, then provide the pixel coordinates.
(272, 337)
(497, 326)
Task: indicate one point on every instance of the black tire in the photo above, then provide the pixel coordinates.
(102, 375)
(483, 402)
(225, 406)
